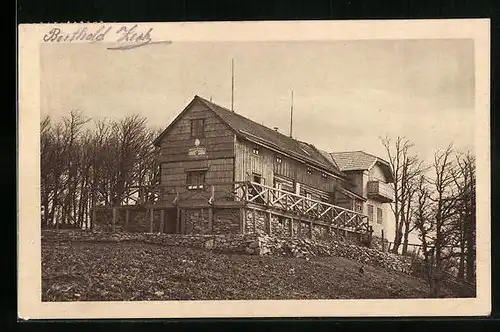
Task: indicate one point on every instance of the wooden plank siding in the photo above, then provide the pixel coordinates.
(246, 162)
(266, 165)
(219, 171)
(218, 140)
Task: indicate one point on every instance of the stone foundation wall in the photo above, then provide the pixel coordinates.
(304, 231)
(197, 221)
(221, 221)
(139, 220)
(226, 221)
(279, 226)
(320, 232)
(259, 226)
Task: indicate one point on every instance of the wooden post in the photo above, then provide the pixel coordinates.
(290, 225)
(151, 220)
(242, 221)
(127, 217)
(162, 220)
(269, 223)
(114, 219)
(337, 231)
(383, 241)
(210, 219)
(183, 222)
(178, 221)
(254, 221)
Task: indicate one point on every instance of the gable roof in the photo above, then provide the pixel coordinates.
(267, 137)
(262, 135)
(361, 161)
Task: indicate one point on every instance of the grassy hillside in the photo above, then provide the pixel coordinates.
(136, 271)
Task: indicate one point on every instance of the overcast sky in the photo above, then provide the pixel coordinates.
(346, 94)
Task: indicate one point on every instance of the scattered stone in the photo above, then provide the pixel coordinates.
(210, 244)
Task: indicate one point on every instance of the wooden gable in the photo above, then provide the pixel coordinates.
(196, 134)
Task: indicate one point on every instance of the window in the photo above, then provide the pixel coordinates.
(370, 213)
(324, 176)
(197, 128)
(256, 150)
(195, 180)
(358, 207)
(309, 171)
(278, 160)
(257, 178)
(379, 216)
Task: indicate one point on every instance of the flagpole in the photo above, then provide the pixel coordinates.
(291, 116)
(232, 85)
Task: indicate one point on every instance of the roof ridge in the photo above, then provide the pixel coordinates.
(241, 116)
(347, 151)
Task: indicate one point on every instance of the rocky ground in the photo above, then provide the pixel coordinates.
(124, 271)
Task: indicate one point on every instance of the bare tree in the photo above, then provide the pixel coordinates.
(406, 168)
(84, 166)
(445, 199)
(422, 220)
(465, 182)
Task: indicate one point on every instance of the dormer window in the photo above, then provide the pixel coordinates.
(256, 150)
(278, 160)
(324, 176)
(309, 170)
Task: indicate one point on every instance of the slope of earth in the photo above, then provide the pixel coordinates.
(92, 271)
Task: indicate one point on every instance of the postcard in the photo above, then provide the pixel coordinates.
(254, 169)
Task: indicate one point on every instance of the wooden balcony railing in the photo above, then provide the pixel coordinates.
(248, 192)
(256, 193)
(380, 191)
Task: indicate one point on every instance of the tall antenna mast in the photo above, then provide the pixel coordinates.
(291, 116)
(232, 85)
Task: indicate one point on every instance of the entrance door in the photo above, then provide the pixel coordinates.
(170, 220)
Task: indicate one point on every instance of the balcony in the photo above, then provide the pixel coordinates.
(380, 191)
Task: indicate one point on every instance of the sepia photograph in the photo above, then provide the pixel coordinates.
(250, 169)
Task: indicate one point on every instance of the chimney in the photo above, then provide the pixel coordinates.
(275, 128)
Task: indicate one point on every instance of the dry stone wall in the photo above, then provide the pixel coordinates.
(252, 244)
(226, 221)
(197, 221)
(235, 243)
(219, 221)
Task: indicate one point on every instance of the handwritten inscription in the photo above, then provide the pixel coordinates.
(126, 37)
